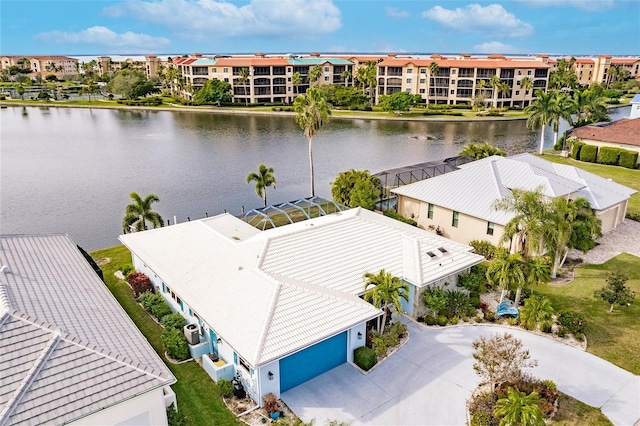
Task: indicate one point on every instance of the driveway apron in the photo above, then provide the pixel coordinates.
(428, 381)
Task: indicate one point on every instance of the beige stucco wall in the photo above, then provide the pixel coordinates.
(469, 228)
(448, 283)
(146, 409)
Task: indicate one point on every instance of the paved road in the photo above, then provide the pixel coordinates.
(428, 381)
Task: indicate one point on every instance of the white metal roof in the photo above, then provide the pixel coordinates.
(473, 189)
(67, 348)
(286, 288)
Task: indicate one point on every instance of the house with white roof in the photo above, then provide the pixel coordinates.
(69, 354)
(460, 203)
(283, 305)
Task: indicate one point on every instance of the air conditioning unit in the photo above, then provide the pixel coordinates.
(192, 333)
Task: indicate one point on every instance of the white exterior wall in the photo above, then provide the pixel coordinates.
(353, 342)
(146, 409)
(265, 385)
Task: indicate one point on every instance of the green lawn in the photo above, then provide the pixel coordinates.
(572, 412)
(621, 175)
(198, 396)
(612, 336)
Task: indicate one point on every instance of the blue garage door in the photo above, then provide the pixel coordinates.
(310, 362)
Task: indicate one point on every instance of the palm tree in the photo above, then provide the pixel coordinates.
(296, 80)
(519, 409)
(386, 291)
(495, 83)
(564, 108)
(504, 89)
(139, 212)
(481, 151)
(367, 78)
(526, 83)
(542, 112)
(312, 111)
(264, 178)
(481, 95)
(315, 73)
(591, 107)
(528, 223)
(537, 271)
(537, 309)
(506, 271)
(346, 75)
(434, 69)
(244, 79)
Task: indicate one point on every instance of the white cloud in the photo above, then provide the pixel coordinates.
(394, 12)
(103, 36)
(490, 20)
(588, 5)
(203, 19)
(495, 47)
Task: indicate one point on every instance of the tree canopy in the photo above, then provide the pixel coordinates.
(131, 84)
(139, 212)
(263, 179)
(384, 290)
(356, 188)
(399, 102)
(213, 91)
(481, 151)
(616, 292)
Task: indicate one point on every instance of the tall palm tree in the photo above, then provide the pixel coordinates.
(537, 271)
(542, 112)
(495, 84)
(296, 80)
(504, 89)
(243, 79)
(591, 107)
(564, 108)
(528, 223)
(507, 270)
(367, 78)
(537, 309)
(526, 83)
(384, 290)
(315, 73)
(434, 69)
(312, 111)
(518, 408)
(139, 212)
(346, 75)
(264, 178)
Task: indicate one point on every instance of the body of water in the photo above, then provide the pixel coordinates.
(68, 170)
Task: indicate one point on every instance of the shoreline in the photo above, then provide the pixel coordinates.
(248, 111)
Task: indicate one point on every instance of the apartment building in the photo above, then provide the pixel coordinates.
(270, 78)
(596, 70)
(148, 65)
(457, 80)
(43, 65)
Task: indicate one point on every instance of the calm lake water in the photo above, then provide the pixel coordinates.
(67, 170)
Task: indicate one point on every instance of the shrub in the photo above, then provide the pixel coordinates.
(512, 321)
(174, 321)
(442, 320)
(481, 419)
(270, 403)
(483, 248)
(139, 283)
(379, 345)
(589, 153)
(429, 320)
(608, 155)
(562, 331)
(571, 321)
(489, 315)
(398, 329)
(435, 299)
(396, 216)
(633, 215)
(575, 149)
(628, 159)
(175, 417)
(473, 281)
(546, 327)
(458, 304)
(159, 310)
(579, 337)
(148, 300)
(454, 320)
(226, 388)
(175, 344)
(364, 358)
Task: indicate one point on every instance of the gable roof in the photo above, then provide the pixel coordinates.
(67, 348)
(298, 284)
(625, 131)
(473, 188)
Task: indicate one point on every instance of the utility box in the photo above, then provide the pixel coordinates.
(192, 333)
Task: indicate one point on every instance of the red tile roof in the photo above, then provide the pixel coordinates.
(625, 60)
(624, 131)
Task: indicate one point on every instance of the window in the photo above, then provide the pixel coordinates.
(430, 211)
(326, 69)
(225, 69)
(409, 80)
(226, 80)
(519, 72)
(453, 92)
(517, 92)
(410, 71)
(490, 228)
(422, 91)
(453, 82)
(453, 71)
(326, 78)
(454, 222)
(423, 80)
(244, 364)
(528, 72)
(423, 70)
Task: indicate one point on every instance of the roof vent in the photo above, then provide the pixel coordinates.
(443, 250)
(5, 269)
(431, 254)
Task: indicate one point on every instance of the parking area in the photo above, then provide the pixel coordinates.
(428, 381)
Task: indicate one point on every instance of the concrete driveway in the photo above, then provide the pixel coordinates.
(428, 381)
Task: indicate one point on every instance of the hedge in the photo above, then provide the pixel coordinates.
(608, 155)
(628, 159)
(575, 150)
(175, 344)
(364, 357)
(589, 153)
(392, 214)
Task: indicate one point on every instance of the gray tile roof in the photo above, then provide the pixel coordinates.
(67, 348)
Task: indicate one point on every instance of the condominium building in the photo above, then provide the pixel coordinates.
(43, 65)
(596, 69)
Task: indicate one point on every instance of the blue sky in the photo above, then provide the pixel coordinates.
(86, 27)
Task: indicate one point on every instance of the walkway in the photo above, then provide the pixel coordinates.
(428, 381)
(624, 239)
